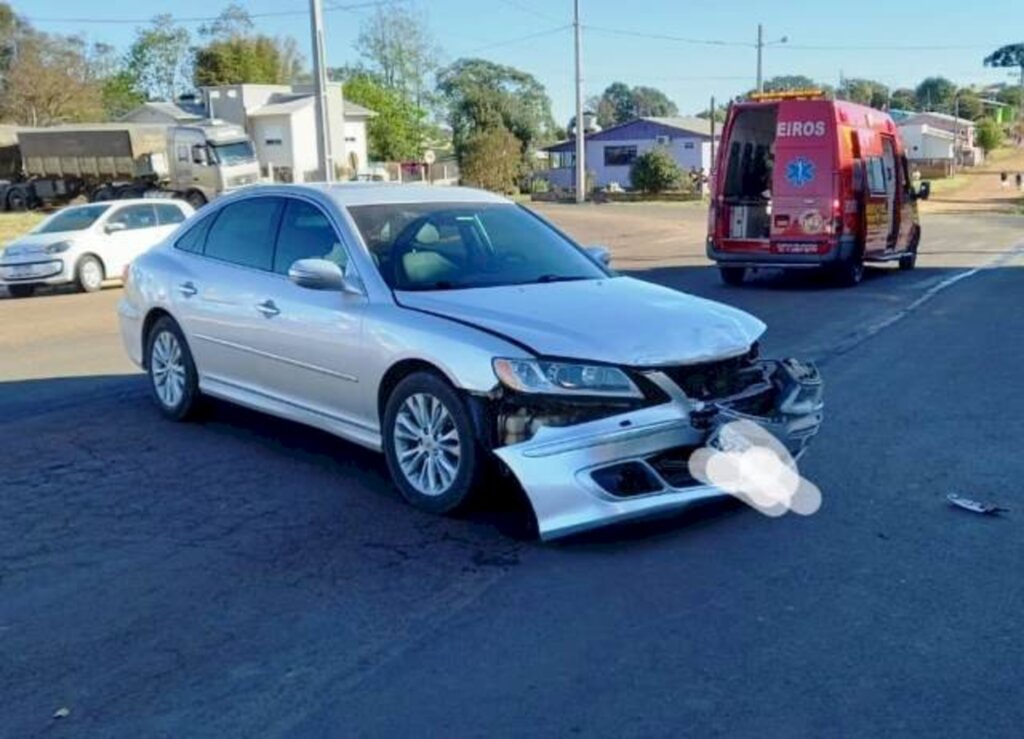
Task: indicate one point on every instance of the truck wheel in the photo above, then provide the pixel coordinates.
(733, 275)
(89, 274)
(102, 194)
(129, 193)
(17, 199)
(851, 272)
(195, 198)
(21, 291)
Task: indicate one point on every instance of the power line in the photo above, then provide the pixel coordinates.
(529, 9)
(520, 39)
(203, 19)
(667, 37)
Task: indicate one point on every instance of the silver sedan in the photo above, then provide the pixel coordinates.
(459, 334)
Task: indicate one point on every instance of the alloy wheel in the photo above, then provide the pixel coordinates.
(167, 365)
(92, 275)
(427, 444)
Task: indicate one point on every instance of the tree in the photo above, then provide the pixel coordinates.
(967, 104)
(160, 59)
(492, 159)
(481, 95)
(866, 92)
(935, 93)
(620, 103)
(396, 132)
(655, 171)
(720, 113)
(787, 82)
(989, 135)
(235, 54)
(397, 46)
(903, 99)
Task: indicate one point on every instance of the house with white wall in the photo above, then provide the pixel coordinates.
(610, 153)
(948, 135)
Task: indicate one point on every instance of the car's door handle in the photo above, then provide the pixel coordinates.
(187, 289)
(268, 308)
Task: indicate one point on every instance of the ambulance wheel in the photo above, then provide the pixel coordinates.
(733, 275)
(850, 273)
(909, 260)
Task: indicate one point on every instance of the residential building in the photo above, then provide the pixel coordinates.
(926, 131)
(610, 153)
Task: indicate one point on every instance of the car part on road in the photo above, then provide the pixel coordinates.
(89, 274)
(975, 506)
(172, 371)
(430, 444)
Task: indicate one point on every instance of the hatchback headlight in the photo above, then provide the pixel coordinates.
(59, 248)
(560, 378)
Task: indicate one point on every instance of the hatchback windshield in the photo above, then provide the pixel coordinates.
(448, 246)
(237, 153)
(72, 219)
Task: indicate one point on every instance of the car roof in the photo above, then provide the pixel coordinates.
(381, 193)
(127, 201)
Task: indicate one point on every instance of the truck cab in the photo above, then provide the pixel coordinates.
(804, 182)
(210, 160)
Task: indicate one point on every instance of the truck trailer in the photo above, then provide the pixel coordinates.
(106, 161)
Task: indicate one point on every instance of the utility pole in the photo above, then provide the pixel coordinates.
(711, 109)
(956, 129)
(325, 158)
(581, 168)
(760, 52)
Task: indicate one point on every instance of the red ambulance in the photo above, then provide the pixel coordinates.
(804, 182)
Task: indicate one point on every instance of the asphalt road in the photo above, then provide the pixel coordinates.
(243, 576)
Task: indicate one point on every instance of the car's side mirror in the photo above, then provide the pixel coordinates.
(115, 227)
(924, 190)
(322, 274)
(600, 254)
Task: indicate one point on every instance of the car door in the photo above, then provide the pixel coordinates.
(311, 338)
(127, 232)
(219, 296)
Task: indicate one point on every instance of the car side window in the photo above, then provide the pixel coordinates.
(167, 214)
(306, 233)
(244, 232)
(134, 217)
(194, 239)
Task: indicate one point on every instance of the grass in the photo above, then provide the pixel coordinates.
(13, 225)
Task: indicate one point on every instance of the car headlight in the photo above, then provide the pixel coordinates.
(562, 378)
(59, 248)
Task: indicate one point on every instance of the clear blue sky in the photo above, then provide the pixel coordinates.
(959, 37)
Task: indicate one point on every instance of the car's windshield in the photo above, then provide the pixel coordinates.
(447, 246)
(237, 152)
(71, 219)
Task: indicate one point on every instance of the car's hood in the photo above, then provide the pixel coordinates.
(618, 320)
(35, 243)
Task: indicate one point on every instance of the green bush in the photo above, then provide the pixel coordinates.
(655, 171)
(990, 135)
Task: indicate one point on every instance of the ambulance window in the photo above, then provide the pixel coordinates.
(876, 176)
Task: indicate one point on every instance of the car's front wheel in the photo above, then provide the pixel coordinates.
(89, 274)
(431, 450)
(172, 372)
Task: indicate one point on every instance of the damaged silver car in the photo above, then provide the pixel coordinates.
(452, 329)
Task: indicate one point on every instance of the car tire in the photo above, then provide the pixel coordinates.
(21, 291)
(733, 276)
(430, 445)
(173, 379)
(89, 274)
(850, 272)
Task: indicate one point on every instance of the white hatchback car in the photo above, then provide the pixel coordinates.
(87, 244)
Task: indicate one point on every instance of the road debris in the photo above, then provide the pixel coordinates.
(975, 506)
(63, 712)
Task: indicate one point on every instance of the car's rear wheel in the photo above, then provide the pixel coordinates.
(172, 372)
(431, 450)
(733, 275)
(850, 273)
(21, 291)
(89, 274)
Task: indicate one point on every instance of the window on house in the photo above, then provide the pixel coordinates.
(688, 145)
(618, 156)
(273, 142)
(563, 159)
(663, 140)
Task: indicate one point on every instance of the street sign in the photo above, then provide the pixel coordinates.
(429, 157)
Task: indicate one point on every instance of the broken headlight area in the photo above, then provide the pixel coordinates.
(520, 416)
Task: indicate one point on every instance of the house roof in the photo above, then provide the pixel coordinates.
(288, 104)
(943, 117)
(355, 110)
(177, 111)
(687, 123)
(647, 128)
